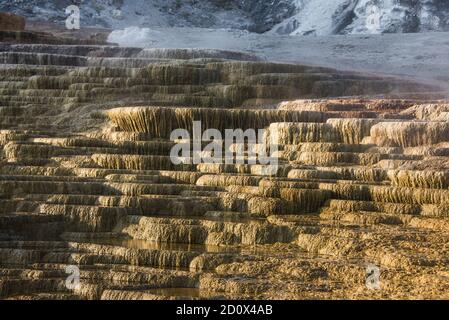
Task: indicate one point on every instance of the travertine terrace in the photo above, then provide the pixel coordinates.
(86, 178)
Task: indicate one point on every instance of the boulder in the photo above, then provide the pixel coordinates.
(11, 22)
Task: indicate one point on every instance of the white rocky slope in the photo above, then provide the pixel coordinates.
(295, 17)
(325, 17)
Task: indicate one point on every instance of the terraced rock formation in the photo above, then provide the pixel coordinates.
(86, 179)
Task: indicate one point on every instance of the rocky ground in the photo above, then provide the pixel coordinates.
(86, 180)
(296, 17)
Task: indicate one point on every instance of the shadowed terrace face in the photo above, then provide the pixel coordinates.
(92, 205)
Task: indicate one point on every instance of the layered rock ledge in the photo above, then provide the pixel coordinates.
(86, 179)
